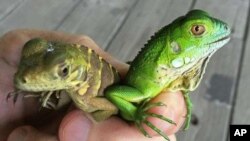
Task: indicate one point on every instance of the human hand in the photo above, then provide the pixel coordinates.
(23, 122)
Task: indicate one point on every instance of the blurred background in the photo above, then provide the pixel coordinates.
(122, 27)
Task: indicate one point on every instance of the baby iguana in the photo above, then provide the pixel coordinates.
(173, 60)
(50, 67)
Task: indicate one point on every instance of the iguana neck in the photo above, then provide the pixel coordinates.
(155, 49)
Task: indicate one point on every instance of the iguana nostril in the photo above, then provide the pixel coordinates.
(225, 26)
(23, 80)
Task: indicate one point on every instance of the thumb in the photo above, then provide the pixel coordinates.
(29, 133)
(75, 127)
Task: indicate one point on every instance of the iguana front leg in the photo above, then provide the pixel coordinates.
(133, 106)
(44, 97)
(104, 108)
(189, 106)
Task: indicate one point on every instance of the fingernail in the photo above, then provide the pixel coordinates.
(18, 135)
(77, 128)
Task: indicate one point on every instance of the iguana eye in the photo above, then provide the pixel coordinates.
(63, 70)
(198, 29)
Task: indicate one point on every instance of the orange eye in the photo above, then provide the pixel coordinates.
(198, 29)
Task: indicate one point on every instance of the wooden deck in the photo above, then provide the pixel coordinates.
(121, 27)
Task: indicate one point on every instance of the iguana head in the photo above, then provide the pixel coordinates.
(193, 37)
(50, 66)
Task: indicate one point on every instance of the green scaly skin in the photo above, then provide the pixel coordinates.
(173, 60)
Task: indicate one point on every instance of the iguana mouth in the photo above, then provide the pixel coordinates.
(222, 39)
(37, 87)
(218, 43)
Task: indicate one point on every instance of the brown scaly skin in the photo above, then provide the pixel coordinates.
(50, 67)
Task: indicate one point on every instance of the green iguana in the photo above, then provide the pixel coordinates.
(174, 59)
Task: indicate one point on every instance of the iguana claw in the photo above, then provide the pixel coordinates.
(13, 94)
(142, 116)
(44, 97)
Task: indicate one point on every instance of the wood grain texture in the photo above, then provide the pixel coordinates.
(41, 14)
(213, 98)
(7, 7)
(97, 19)
(241, 112)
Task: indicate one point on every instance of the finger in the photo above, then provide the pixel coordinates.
(175, 110)
(28, 133)
(17, 38)
(76, 126)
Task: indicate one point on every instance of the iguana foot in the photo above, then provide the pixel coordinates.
(47, 101)
(44, 98)
(48, 105)
(142, 115)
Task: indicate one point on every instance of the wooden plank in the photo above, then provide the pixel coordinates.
(7, 6)
(97, 19)
(213, 99)
(241, 113)
(44, 14)
(147, 17)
